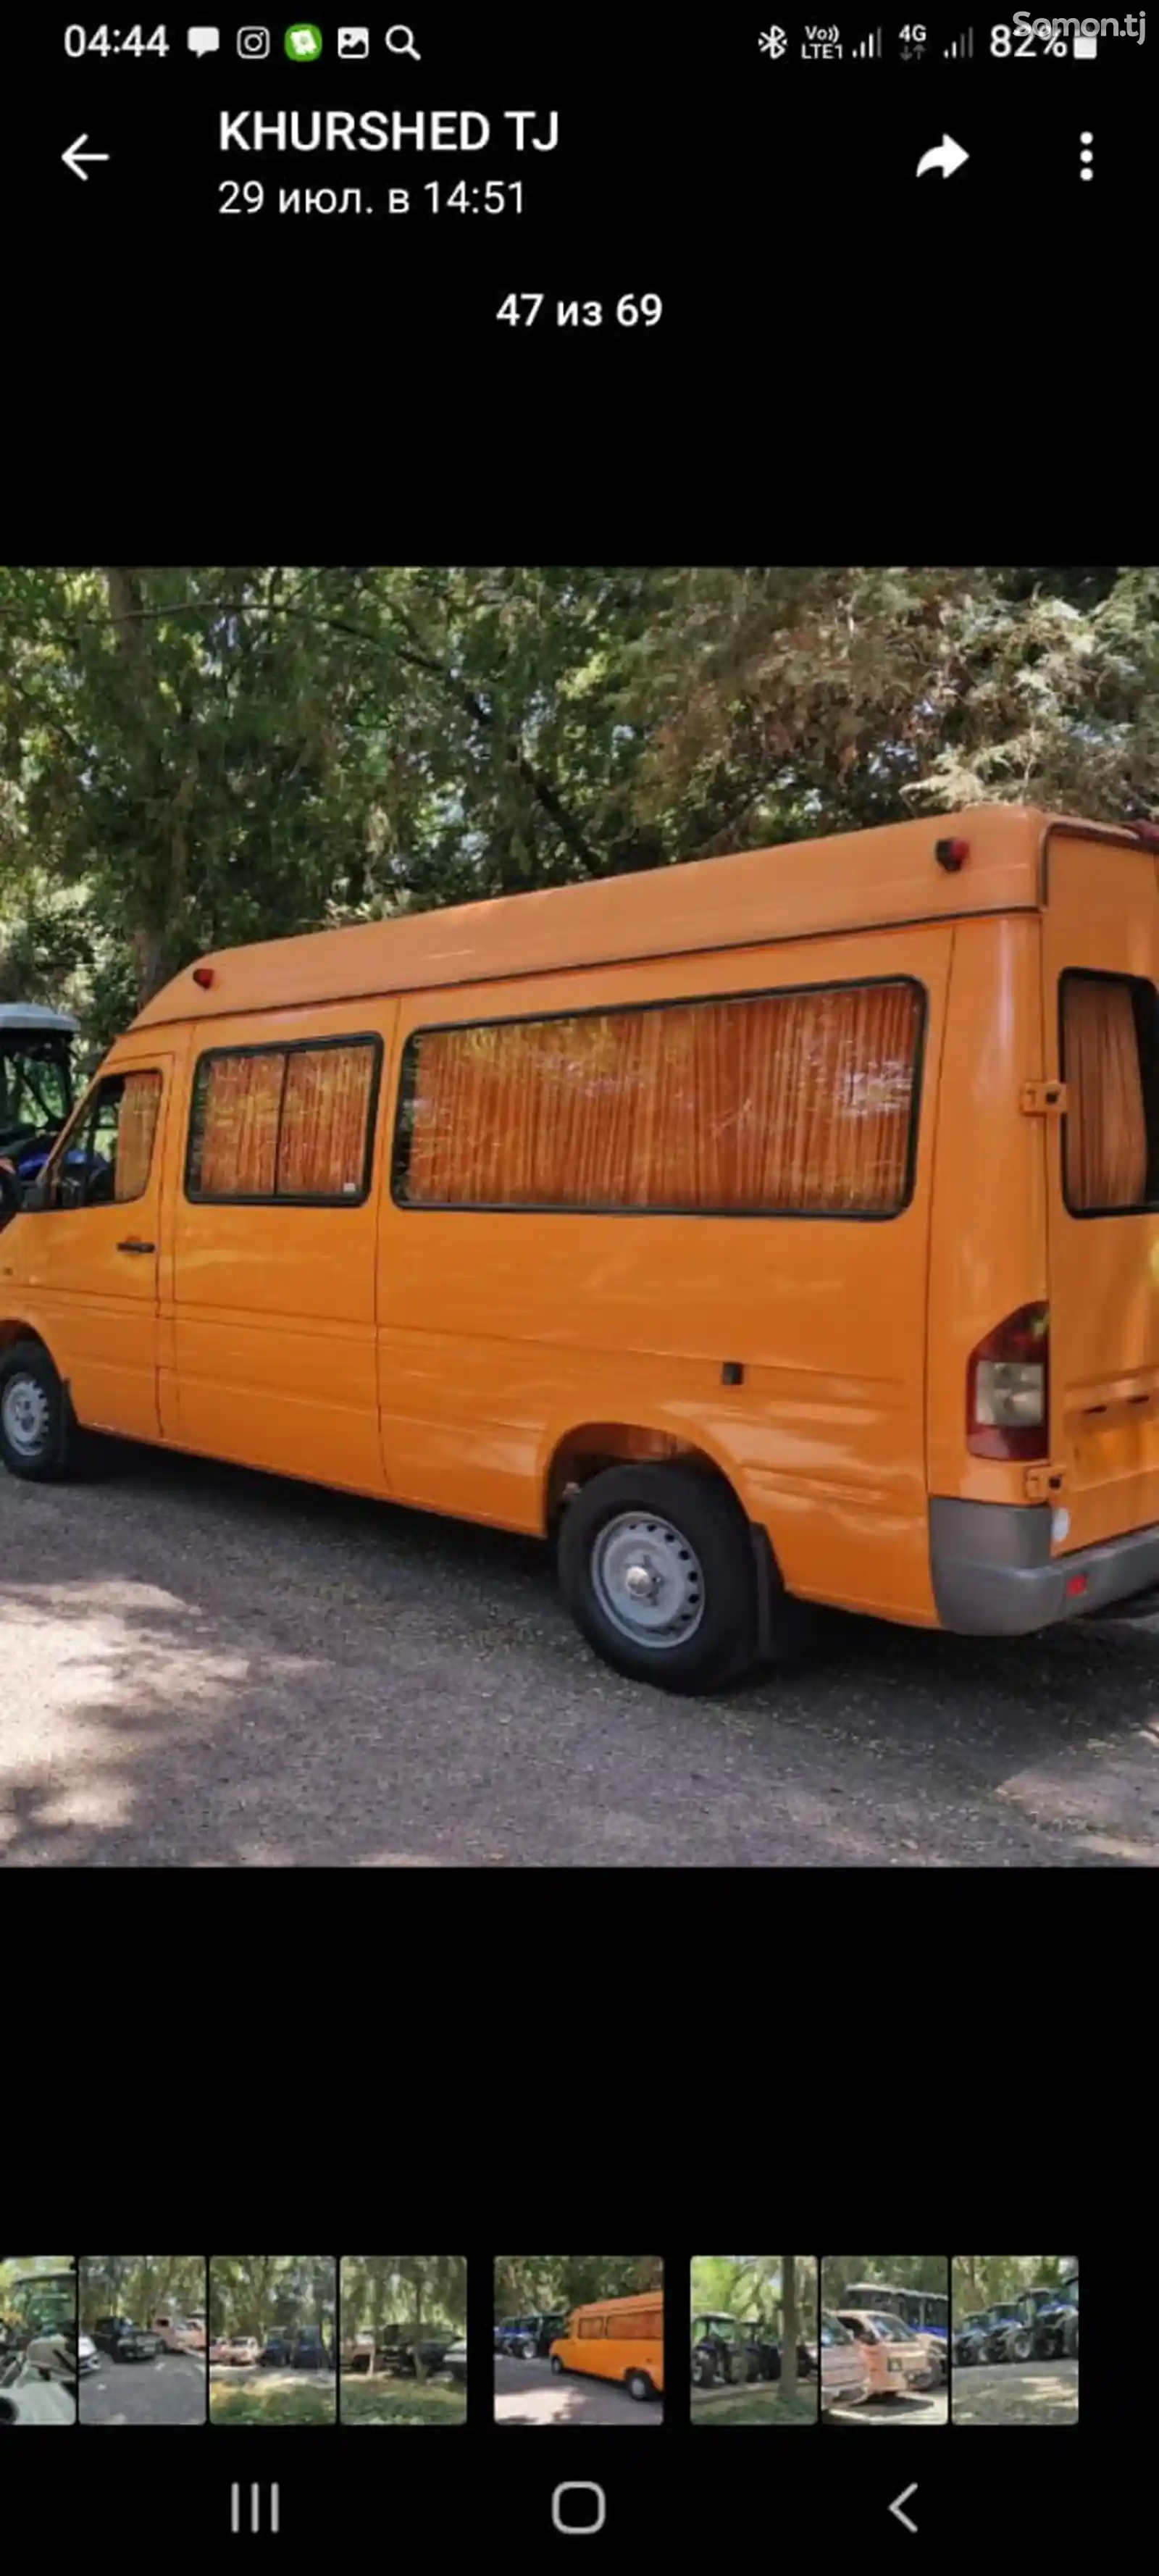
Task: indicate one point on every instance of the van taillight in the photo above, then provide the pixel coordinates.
(1007, 1390)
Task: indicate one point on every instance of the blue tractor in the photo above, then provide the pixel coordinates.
(37, 1095)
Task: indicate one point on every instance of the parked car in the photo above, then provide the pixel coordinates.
(219, 2348)
(195, 2337)
(402, 2350)
(278, 2353)
(895, 2357)
(241, 2352)
(505, 2327)
(172, 2330)
(310, 2352)
(123, 2341)
(533, 2337)
(844, 2372)
(456, 2361)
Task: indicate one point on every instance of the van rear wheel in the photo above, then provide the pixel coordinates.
(657, 1569)
(35, 1416)
(639, 2386)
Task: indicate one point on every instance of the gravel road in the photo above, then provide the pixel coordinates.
(207, 1667)
(531, 2392)
(170, 2390)
(1033, 2392)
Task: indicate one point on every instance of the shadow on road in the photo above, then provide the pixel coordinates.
(210, 1667)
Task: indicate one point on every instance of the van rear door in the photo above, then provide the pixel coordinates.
(1100, 951)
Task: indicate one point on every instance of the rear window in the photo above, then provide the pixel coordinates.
(1109, 1058)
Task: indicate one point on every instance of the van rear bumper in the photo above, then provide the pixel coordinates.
(993, 1574)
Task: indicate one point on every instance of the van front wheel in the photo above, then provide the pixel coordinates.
(35, 1418)
(657, 1569)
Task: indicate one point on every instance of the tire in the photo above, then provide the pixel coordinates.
(1021, 2347)
(529, 2350)
(639, 2386)
(557, 2365)
(700, 2371)
(686, 1533)
(32, 1401)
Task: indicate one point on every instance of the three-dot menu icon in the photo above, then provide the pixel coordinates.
(1086, 156)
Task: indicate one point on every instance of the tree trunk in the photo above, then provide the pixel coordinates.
(789, 2327)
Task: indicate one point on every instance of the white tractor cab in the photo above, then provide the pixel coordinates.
(37, 1093)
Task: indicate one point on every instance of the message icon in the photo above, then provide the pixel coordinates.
(205, 40)
(303, 43)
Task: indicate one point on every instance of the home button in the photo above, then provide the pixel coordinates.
(580, 2509)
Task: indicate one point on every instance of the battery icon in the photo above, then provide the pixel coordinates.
(1085, 47)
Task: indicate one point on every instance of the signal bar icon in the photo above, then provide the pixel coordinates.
(869, 50)
(961, 49)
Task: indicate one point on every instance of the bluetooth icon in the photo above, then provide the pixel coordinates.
(774, 43)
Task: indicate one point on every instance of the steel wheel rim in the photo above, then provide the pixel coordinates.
(26, 1415)
(648, 1580)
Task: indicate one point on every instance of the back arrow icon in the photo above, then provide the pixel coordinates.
(947, 157)
(76, 155)
(903, 2498)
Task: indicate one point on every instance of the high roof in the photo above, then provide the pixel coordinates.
(33, 1018)
(851, 880)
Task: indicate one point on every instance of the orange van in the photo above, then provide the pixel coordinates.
(619, 2339)
(769, 1231)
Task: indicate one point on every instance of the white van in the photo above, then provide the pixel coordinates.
(173, 2329)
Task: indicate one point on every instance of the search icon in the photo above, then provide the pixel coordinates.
(400, 40)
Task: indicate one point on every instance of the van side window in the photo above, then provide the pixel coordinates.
(284, 1123)
(109, 1154)
(1109, 1055)
(589, 2326)
(759, 1104)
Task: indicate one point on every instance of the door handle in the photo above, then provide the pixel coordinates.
(134, 1246)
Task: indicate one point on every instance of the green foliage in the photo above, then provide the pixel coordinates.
(140, 2286)
(389, 2402)
(415, 2290)
(277, 2405)
(979, 2279)
(750, 2287)
(535, 2284)
(196, 757)
(261, 2294)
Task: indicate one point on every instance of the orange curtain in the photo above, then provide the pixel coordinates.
(1106, 1122)
(237, 1143)
(322, 1151)
(789, 1100)
(136, 1128)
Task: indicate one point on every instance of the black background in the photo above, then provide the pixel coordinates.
(852, 362)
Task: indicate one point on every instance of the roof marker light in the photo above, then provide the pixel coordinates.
(203, 975)
(951, 855)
